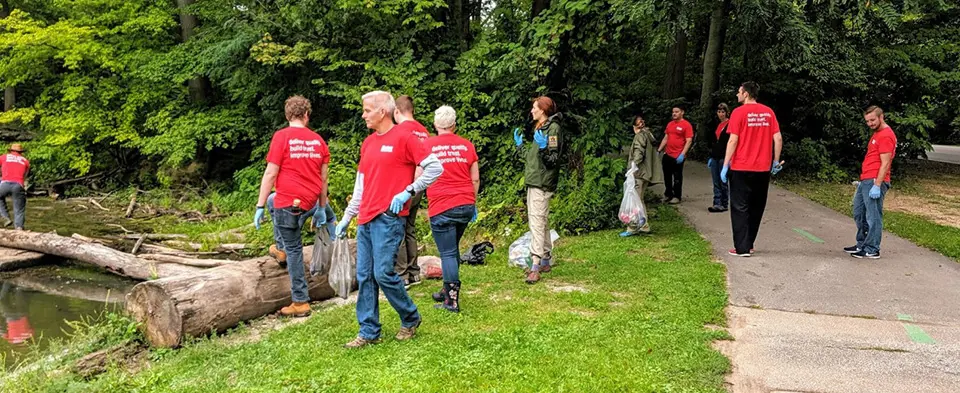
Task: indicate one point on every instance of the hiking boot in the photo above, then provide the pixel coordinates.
(6, 222)
(716, 209)
(851, 249)
(361, 342)
(407, 333)
(546, 265)
(674, 201)
(452, 301)
(279, 255)
(733, 252)
(533, 277)
(411, 281)
(296, 309)
(866, 255)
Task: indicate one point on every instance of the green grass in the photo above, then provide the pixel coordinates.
(940, 238)
(634, 321)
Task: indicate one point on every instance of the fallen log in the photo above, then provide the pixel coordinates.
(156, 236)
(183, 244)
(111, 260)
(98, 205)
(185, 261)
(216, 299)
(133, 203)
(11, 259)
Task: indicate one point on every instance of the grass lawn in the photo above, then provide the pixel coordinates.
(615, 315)
(923, 206)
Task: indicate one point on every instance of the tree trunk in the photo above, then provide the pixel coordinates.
(198, 86)
(712, 59)
(538, 7)
(11, 259)
(675, 67)
(9, 93)
(113, 261)
(217, 299)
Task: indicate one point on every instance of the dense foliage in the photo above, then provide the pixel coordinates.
(114, 86)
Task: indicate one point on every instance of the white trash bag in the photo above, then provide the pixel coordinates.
(631, 208)
(343, 268)
(520, 250)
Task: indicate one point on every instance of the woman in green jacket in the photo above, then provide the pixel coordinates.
(643, 153)
(542, 160)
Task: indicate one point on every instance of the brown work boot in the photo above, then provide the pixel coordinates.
(279, 255)
(361, 342)
(296, 309)
(407, 333)
(533, 276)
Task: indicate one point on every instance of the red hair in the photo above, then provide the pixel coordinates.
(547, 105)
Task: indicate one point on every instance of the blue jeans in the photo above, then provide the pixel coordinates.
(19, 197)
(331, 219)
(447, 228)
(868, 215)
(720, 191)
(288, 223)
(377, 245)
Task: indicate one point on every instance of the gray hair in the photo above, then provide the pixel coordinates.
(445, 117)
(382, 100)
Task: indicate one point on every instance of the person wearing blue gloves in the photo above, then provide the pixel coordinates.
(385, 184)
(542, 164)
(874, 183)
(753, 154)
(643, 154)
(678, 136)
(297, 166)
(715, 163)
(321, 216)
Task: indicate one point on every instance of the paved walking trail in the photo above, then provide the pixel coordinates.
(806, 317)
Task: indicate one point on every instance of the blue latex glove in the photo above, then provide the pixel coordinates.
(257, 217)
(723, 173)
(342, 228)
(396, 205)
(710, 163)
(517, 137)
(875, 192)
(680, 158)
(320, 216)
(540, 139)
(475, 212)
(776, 168)
(332, 224)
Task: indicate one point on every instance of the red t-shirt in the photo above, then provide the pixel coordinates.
(677, 133)
(882, 141)
(720, 128)
(415, 127)
(455, 186)
(755, 124)
(388, 163)
(300, 153)
(14, 168)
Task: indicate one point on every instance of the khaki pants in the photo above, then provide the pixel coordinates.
(406, 264)
(640, 186)
(538, 210)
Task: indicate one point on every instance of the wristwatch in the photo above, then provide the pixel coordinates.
(410, 190)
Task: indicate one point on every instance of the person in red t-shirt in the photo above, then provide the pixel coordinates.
(297, 165)
(874, 183)
(677, 139)
(14, 168)
(385, 183)
(753, 153)
(452, 200)
(406, 264)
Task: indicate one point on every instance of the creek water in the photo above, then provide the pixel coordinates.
(37, 305)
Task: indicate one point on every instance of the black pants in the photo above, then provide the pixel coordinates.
(672, 177)
(748, 199)
(406, 263)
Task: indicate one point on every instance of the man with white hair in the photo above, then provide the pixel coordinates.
(385, 182)
(452, 201)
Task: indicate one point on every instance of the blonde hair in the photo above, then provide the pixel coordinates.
(297, 108)
(445, 117)
(381, 100)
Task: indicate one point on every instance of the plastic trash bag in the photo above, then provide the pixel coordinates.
(631, 207)
(322, 252)
(477, 254)
(343, 268)
(520, 250)
(430, 266)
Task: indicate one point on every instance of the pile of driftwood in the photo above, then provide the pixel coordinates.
(181, 295)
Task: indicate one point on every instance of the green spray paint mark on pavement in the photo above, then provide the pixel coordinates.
(918, 335)
(905, 317)
(808, 235)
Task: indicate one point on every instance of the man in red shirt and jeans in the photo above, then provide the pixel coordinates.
(676, 141)
(14, 168)
(874, 183)
(753, 153)
(385, 183)
(297, 165)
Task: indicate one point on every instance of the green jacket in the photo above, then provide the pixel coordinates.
(643, 151)
(542, 165)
